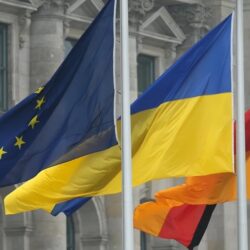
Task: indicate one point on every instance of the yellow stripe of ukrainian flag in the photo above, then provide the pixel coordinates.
(185, 137)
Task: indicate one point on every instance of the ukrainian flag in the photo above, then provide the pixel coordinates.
(181, 126)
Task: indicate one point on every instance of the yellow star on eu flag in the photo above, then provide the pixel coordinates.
(33, 121)
(19, 142)
(40, 102)
(39, 90)
(2, 152)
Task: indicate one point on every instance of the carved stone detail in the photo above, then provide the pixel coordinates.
(66, 28)
(141, 5)
(197, 15)
(51, 4)
(147, 5)
(24, 25)
(194, 15)
(170, 51)
(53, 7)
(138, 10)
(192, 18)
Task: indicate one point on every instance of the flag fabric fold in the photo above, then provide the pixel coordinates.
(69, 207)
(190, 104)
(183, 212)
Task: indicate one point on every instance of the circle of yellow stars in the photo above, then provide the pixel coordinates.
(33, 122)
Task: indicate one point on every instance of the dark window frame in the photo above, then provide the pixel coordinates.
(3, 67)
(145, 71)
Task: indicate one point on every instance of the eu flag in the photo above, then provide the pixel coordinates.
(70, 116)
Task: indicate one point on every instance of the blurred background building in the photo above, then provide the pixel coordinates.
(35, 36)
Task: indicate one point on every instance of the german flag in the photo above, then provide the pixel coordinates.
(181, 222)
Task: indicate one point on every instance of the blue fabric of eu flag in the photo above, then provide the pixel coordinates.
(71, 116)
(69, 207)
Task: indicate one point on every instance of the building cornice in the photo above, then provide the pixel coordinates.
(18, 5)
(18, 230)
(223, 3)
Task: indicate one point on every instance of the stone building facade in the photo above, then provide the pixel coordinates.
(35, 36)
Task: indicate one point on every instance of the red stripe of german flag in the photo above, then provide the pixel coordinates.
(187, 224)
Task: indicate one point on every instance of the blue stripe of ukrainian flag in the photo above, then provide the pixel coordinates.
(181, 126)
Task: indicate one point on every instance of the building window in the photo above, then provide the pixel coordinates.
(68, 45)
(3, 68)
(145, 72)
(70, 233)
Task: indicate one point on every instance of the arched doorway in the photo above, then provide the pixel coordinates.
(87, 228)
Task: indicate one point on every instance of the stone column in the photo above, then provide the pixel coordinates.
(48, 232)
(17, 229)
(22, 88)
(230, 226)
(47, 41)
(219, 9)
(46, 54)
(93, 225)
(113, 205)
(215, 232)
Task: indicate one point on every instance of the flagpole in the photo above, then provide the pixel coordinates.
(128, 241)
(241, 155)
